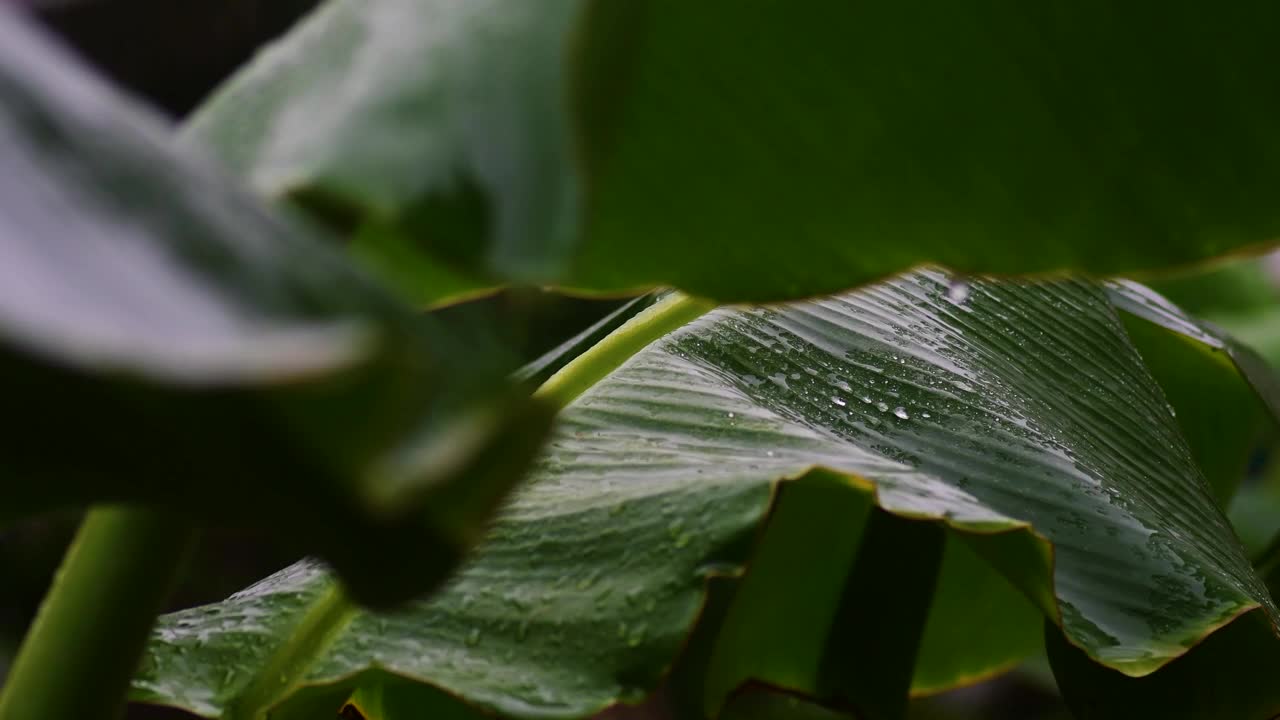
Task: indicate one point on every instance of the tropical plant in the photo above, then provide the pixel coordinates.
(831, 452)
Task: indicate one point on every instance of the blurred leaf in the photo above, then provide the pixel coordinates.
(746, 151)
(855, 599)
(1255, 512)
(164, 339)
(761, 703)
(979, 625)
(1236, 286)
(1019, 417)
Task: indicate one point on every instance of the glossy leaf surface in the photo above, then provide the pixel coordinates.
(1016, 415)
(1229, 675)
(201, 353)
(1219, 401)
(746, 151)
(1143, 303)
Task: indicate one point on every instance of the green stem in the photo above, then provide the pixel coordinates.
(80, 654)
(286, 667)
(605, 356)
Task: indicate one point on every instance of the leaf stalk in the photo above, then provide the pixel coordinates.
(80, 654)
(619, 346)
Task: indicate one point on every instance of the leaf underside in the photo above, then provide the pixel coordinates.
(588, 143)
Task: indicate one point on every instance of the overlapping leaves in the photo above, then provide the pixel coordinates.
(750, 151)
(1017, 416)
(165, 339)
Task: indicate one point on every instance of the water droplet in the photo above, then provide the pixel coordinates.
(924, 415)
(901, 412)
(958, 291)
(730, 416)
(882, 407)
(837, 401)
(866, 399)
(769, 453)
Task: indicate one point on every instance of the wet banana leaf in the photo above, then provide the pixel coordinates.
(745, 151)
(1220, 414)
(1016, 416)
(1148, 305)
(166, 340)
(1226, 396)
(1229, 675)
(1240, 299)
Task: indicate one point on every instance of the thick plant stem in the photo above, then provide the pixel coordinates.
(593, 365)
(76, 661)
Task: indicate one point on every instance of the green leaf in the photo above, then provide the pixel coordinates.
(758, 703)
(856, 599)
(166, 340)
(1241, 298)
(1230, 675)
(1240, 286)
(746, 151)
(1148, 305)
(1206, 374)
(979, 625)
(1227, 396)
(1019, 418)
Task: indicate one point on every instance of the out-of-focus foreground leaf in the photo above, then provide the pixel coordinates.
(747, 151)
(165, 340)
(1017, 418)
